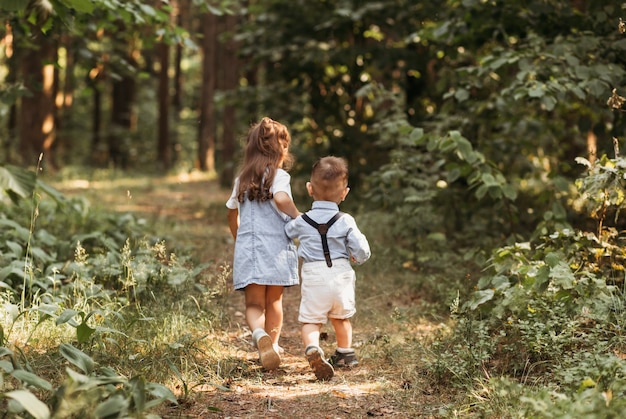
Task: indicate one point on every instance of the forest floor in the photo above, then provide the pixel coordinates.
(387, 383)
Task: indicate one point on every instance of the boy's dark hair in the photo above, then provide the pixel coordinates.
(329, 176)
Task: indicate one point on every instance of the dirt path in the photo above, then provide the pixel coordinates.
(194, 207)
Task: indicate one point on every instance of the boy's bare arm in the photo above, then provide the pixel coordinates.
(286, 204)
(233, 221)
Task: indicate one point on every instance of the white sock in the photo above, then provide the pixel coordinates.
(345, 350)
(309, 349)
(257, 333)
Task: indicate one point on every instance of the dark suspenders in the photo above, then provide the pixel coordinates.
(323, 229)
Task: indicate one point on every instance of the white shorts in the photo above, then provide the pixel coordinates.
(327, 292)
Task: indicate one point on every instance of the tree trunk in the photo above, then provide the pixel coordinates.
(37, 112)
(123, 96)
(65, 95)
(164, 147)
(231, 73)
(122, 117)
(94, 79)
(11, 78)
(206, 135)
(182, 12)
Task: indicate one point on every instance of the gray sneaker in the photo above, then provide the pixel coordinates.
(340, 359)
(321, 368)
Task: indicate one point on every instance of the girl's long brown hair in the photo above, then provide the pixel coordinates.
(262, 154)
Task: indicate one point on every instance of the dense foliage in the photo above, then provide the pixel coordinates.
(83, 275)
(483, 133)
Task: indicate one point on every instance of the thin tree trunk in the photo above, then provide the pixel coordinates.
(98, 154)
(11, 78)
(122, 116)
(206, 136)
(231, 73)
(164, 147)
(65, 95)
(37, 113)
(181, 9)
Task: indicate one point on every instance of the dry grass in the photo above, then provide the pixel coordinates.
(391, 329)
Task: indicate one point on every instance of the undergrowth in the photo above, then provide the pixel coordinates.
(93, 323)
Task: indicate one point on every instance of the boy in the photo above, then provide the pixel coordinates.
(329, 239)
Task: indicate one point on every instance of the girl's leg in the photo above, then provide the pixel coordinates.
(256, 309)
(255, 306)
(274, 311)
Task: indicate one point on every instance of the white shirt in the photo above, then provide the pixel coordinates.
(282, 183)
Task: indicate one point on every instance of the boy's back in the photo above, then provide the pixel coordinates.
(345, 240)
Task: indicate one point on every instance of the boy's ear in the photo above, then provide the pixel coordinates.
(309, 188)
(345, 193)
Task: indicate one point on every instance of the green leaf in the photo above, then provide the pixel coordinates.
(161, 393)
(440, 237)
(17, 230)
(30, 403)
(84, 332)
(48, 309)
(537, 91)
(57, 196)
(461, 95)
(31, 379)
(138, 389)
(416, 135)
(552, 259)
(548, 102)
(66, 316)
(488, 179)
(509, 191)
(113, 407)
(542, 280)
(597, 88)
(480, 297)
(83, 6)
(16, 267)
(562, 276)
(453, 174)
(77, 357)
(17, 182)
(6, 366)
(16, 248)
(465, 150)
(500, 282)
(481, 191)
(41, 255)
(12, 310)
(13, 5)
(497, 63)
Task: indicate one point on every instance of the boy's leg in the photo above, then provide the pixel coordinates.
(314, 354)
(344, 356)
(343, 331)
(311, 334)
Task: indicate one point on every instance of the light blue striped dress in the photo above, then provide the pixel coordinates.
(264, 254)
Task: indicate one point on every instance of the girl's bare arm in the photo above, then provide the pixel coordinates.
(286, 204)
(233, 221)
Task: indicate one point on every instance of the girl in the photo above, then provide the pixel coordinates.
(265, 258)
